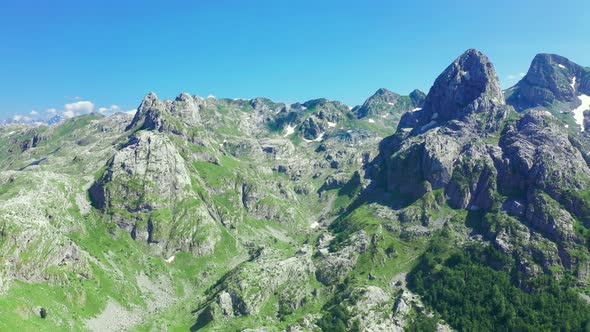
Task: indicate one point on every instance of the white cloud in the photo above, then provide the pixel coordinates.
(69, 114)
(81, 107)
(210, 96)
(515, 76)
(111, 109)
(19, 117)
(84, 106)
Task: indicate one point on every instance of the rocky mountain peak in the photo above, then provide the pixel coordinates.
(153, 113)
(551, 79)
(183, 97)
(384, 102)
(471, 76)
(418, 96)
(385, 92)
(150, 100)
(467, 87)
(543, 59)
(147, 115)
(186, 108)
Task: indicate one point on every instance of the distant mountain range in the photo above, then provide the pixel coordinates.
(466, 208)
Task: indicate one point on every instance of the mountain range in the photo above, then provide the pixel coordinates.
(466, 208)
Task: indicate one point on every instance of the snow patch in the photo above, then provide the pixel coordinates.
(416, 109)
(573, 85)
(331, 124)
(428, 125)
(371, 121)
(579, 111)
(390, 103)
(314, 225)
(319, 139)
(171, 259)
(290, 130)
(560, 65)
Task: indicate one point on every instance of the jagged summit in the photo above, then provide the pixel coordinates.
(418, 96)
(150, 100)
(147, 112)
(249, 214)
(183, 97)
(385, 102)
(153, 113)
(469, 77)
(384, 92)
(467, 86)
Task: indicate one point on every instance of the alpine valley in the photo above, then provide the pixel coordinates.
(467, 208)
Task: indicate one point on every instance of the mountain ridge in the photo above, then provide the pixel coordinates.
(221, 214)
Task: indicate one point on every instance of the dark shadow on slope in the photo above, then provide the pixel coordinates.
(34, 163)
(203, 320)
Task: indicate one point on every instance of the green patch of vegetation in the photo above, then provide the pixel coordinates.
(471, 296)
(217, 175)
(374, 127)
(334, 320)
(420, 322)
(72, 295)
(582, 231)
(386, 256)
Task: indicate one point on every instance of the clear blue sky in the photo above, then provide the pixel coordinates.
(115, 52)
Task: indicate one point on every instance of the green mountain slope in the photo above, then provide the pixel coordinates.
(236, 215)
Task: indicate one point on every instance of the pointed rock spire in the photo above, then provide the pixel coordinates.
(147, 115)
(150, 100)
(470, 77)
(466, 87)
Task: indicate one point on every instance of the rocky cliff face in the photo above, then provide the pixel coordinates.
(445, 137)
(465, 143)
